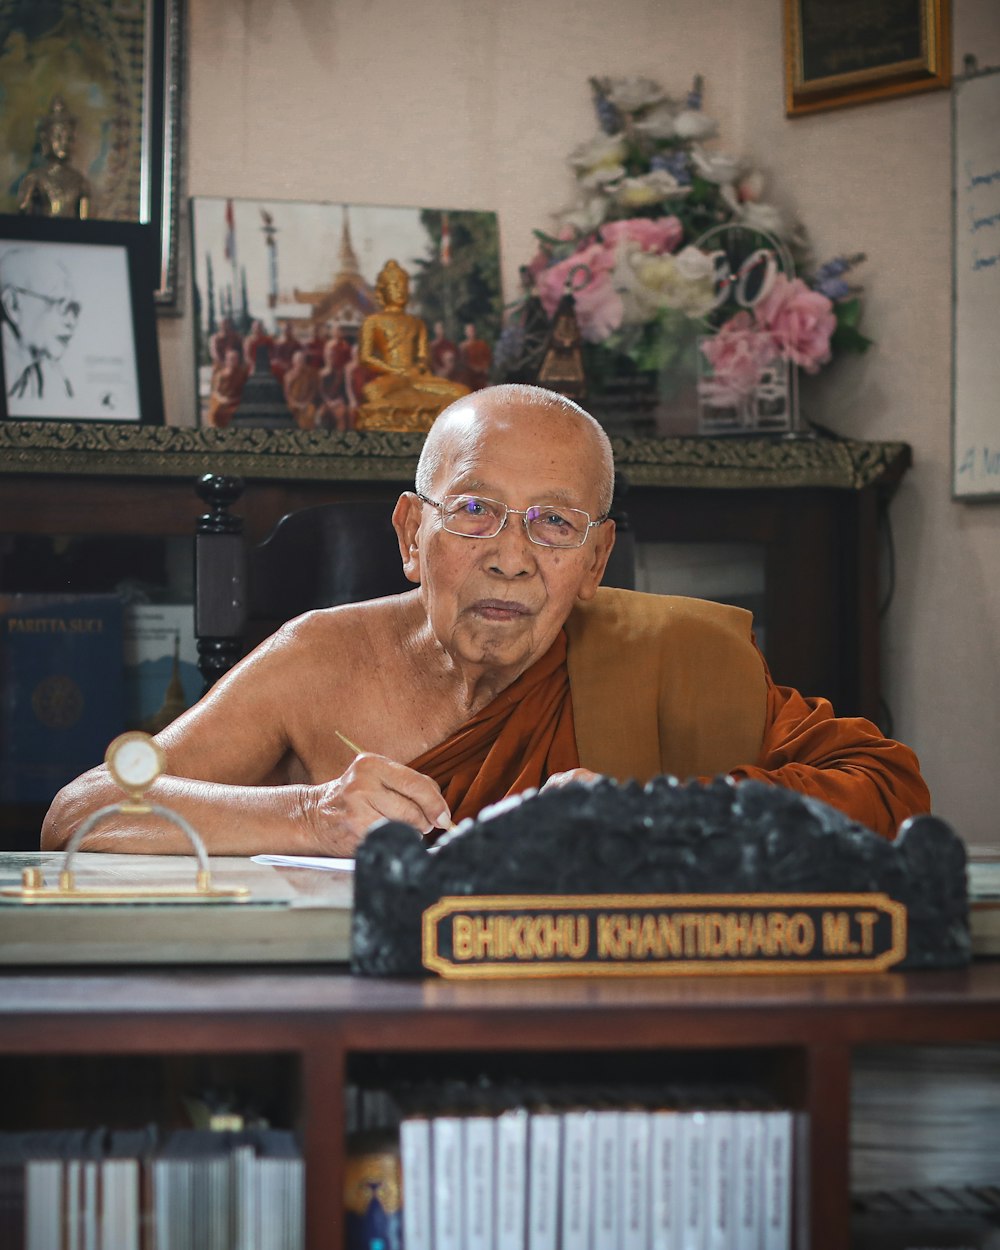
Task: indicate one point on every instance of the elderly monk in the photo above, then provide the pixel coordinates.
(505, 668)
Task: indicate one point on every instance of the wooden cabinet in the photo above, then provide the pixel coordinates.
(797, 1034)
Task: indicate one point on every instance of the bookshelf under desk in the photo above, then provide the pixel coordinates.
(304, 1033)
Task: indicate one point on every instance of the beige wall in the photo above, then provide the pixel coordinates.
(475, 104)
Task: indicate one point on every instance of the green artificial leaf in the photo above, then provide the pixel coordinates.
(847, 337)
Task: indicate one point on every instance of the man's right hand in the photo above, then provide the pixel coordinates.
(340, 812)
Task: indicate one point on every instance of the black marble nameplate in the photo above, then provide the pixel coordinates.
(609, 879)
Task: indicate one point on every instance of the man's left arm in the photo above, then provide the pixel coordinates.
(845, 761)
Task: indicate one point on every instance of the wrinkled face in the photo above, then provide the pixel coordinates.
(500, 602)
(47, 317)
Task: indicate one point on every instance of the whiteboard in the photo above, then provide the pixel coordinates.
(976, 286)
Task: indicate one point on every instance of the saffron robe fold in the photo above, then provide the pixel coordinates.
(647, 684)
(513, 744)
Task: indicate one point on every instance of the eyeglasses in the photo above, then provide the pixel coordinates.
(67, 307)
(547, 524)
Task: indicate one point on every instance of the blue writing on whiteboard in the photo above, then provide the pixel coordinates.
(980, 180)
(984, 459)
(985, 262)
(980, 223)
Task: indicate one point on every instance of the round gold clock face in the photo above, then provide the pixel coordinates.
(134, 760)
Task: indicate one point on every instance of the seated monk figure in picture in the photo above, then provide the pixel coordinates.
(301, 386)
(228, 381)
(404, 393)
(506, 667)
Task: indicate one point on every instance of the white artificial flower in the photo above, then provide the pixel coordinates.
(694, 124)
(596, 179)
(586, 216)
(648, 189)
(764, 217)
(632, 94)
(648, 282)
(603, 151)
(718, 167)
(658, 123)
(694, 265)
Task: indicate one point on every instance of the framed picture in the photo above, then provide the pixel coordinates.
(115, 67)
(281, 289)
(854, 51)
(77, 324)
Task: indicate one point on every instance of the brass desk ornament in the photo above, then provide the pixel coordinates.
(135, 761)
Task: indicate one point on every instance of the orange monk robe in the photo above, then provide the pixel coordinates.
(683, 695)
(845, 761)
(516, 742)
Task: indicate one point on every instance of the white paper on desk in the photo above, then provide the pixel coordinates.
(305, 861)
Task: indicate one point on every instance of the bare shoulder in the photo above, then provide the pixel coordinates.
(331, 637)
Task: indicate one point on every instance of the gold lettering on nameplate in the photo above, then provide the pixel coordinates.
(544, 935)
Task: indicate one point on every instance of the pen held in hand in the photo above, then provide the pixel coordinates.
(353, 746)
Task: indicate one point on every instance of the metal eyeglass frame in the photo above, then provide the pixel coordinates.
(521, 512)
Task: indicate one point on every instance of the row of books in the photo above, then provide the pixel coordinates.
(586, 1172)
(189, 1189)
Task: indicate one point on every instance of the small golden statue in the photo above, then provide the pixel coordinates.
(56, 189)
(405, 395)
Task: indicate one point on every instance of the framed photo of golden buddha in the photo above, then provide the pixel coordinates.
(856, 51)
(340, 317)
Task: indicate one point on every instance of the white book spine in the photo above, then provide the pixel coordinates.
(665, 1151)
(694, 1180)
(479, 1165)
(607, 1179)
(635, 1180)
(543, 1180)
(777, 1209)
(446, 1174)
(749, 1177)
(43, 1187)
(415, 1162)
(512, 1171)
(576, 1207)
(721, 1180)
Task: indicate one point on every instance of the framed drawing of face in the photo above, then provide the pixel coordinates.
(77, 326)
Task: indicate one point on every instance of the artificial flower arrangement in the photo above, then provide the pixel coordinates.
(650, 285)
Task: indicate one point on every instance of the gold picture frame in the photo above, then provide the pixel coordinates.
(856, 51)
(117, 64)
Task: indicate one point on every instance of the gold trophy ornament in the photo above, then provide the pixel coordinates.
(404, 394)
(134, 761)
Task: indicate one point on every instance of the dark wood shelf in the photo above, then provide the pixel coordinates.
(802, 1028)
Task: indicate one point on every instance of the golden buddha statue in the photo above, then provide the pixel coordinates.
(56, 189)
(405, 394)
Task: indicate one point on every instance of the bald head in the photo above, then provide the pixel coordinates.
(527, 413)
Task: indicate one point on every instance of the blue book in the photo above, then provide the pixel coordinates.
(61, 689)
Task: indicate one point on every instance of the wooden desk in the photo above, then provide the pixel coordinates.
(73, 1034)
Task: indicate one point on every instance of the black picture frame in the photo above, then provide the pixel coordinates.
(838, 55)
(117, 362)
(140, 49)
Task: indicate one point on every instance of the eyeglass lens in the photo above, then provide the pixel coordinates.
(548, 524)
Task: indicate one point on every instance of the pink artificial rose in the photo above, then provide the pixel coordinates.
(738, 355)
(653, 234)
(599, 308)
(801, 321)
